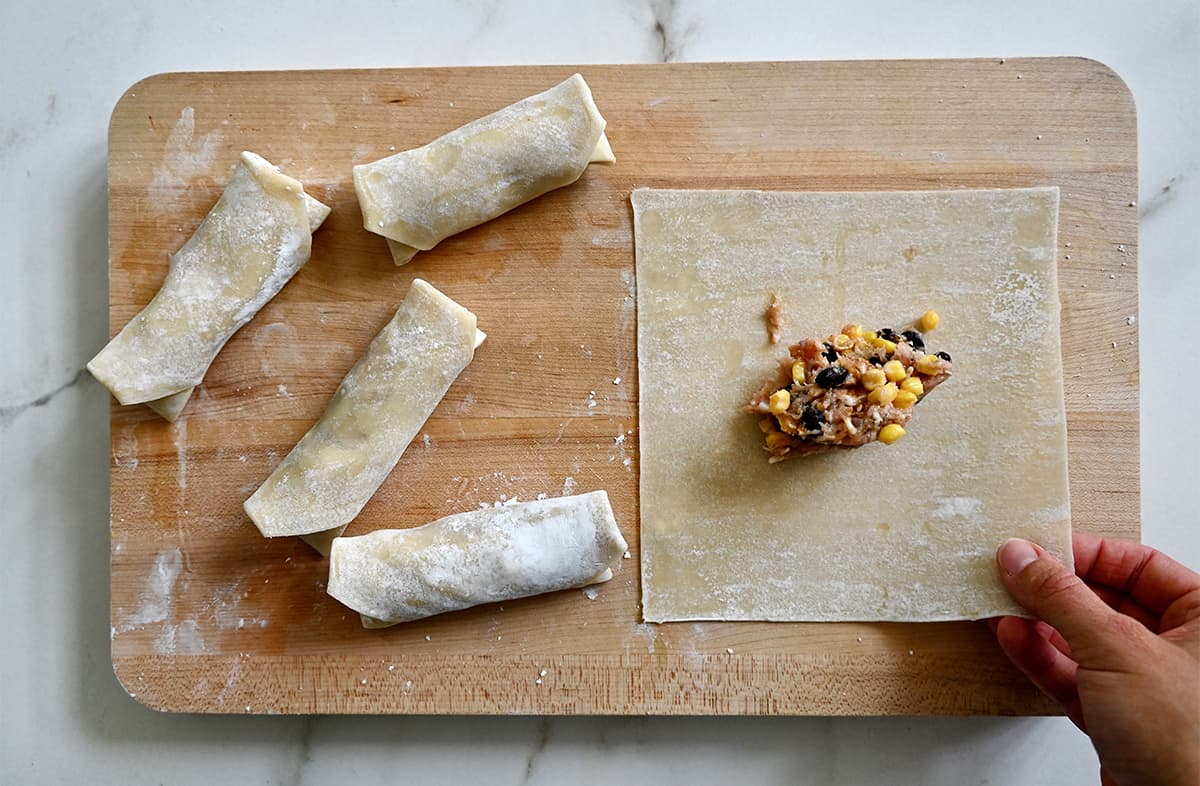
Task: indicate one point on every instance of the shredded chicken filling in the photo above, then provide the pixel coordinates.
(852, 388)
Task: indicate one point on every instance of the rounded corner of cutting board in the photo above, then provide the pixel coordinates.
(1099, 69)
(132, 679)
(131, 95)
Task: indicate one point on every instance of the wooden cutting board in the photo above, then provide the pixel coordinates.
(207, 616)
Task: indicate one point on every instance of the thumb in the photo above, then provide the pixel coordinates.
(1052, 592)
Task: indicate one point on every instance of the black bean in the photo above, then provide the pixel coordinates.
(875, 361)
(944, 356)
(832, 376)
(914, 338)
(830, 353)
(812, 418)
(887, 334)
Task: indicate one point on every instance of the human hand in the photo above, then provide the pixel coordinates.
(1118, 646)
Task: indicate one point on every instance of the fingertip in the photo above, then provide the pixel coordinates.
(1050, 668)
(1012, 629)
(1014, 555)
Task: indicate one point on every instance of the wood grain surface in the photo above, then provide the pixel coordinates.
(208, 616)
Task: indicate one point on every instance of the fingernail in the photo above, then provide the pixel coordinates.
(1014, 555)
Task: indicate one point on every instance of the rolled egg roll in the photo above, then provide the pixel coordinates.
(419, 197)
(249, 245)
(332, 472)
(481, 556)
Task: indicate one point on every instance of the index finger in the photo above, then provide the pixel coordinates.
(1150, 577)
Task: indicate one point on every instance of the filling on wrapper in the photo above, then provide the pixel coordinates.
(853, 387)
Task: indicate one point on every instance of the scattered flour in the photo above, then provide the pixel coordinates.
(226, 610)
(958, 508)
(157, 593)
(185, 158)
(649, 633)
(1016, 307)
(179, 437)
(619, 238)
(181, 639)
(126, 456)
(503, 502)
(619, 445)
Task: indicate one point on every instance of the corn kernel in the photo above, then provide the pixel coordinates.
(777, 439)
(894, 370)
(905, 398)
(884, 395)
(890, 346)
(874, 378)
(842, 342)
(928, 321)
(914, 386)
(890, 433)
(798, 372)
(871, 336)
(853, 331)
(929, 364)
(780, 401)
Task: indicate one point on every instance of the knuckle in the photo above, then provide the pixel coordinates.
(1122, 628)
(1047, 582)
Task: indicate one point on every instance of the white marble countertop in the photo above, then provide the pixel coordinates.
(64, 718)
